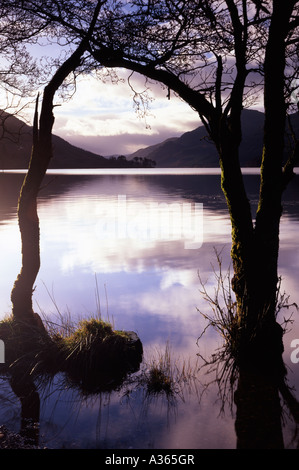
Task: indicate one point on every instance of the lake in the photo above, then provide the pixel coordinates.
(133, 246)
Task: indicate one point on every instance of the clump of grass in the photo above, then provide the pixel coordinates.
(162, 374)
(88, 334)
(225, 321)
(159, 376)
(92, 354)
(85, 332)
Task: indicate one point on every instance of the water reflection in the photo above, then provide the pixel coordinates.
(152, 287)
(25, 389)
(259, 413)
(59, 416)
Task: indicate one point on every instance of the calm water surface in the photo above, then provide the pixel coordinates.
(131, 246)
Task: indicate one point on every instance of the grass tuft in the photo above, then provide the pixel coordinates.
(162, 374)
(92, 354)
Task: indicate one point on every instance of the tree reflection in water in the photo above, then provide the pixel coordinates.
(259, 403)
(247, 370)
(259, 412)
(25, 389)
(28, 389)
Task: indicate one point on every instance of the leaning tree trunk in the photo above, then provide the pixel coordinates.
(21, 295)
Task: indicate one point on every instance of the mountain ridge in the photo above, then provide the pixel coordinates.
(16, 145)
(191, 149)
(194, 149)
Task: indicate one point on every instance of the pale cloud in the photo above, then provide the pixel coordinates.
(119, 144)
(101, 117)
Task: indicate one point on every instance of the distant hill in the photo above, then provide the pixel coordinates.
(193, 149)
(16, 143)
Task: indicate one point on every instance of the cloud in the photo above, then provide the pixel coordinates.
(101, 117)
(119, 144)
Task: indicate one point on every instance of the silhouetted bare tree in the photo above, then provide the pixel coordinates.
(217, 55)
(21, 71)
(21, 295)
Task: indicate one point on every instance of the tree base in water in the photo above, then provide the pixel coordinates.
(94, 357)
(262, 352)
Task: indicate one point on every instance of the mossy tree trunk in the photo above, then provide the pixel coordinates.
(272, 175)
(254, 245)
(256, 256)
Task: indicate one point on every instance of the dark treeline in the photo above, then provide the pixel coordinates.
(136, 162)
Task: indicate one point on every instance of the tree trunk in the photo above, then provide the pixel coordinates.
(21, 295)
(255, 248)
(258, 413)
(24, 388)
(266, 233)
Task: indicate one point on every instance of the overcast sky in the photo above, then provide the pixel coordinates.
(100, 117)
